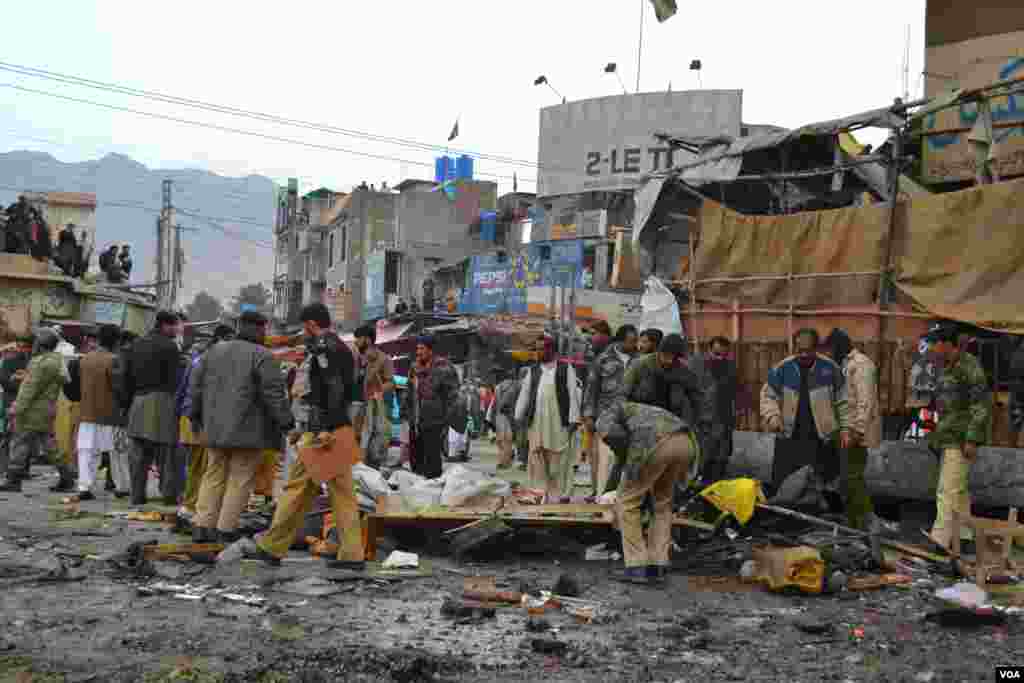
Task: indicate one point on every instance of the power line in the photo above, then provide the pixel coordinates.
(129, 204)
(238, 131)
(235, 111)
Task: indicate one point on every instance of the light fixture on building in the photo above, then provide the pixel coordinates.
(695, 65)
(543, 80)
(613, 68)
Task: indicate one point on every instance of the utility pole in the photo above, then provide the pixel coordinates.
(167, 250)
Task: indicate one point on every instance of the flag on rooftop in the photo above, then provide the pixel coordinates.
(663, 9)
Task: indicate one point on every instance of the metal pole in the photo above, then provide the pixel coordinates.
(640, 44)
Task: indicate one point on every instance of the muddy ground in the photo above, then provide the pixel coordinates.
(101, 627)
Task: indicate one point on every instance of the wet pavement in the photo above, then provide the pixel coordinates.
(93, 625)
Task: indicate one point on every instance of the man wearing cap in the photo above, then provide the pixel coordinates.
(657, 450)
(239, 402)
(665, 379)
(34, 409)
(861, 381)
(605, 385)
(150, 377)
(190, 436)
(965, 417)
(431, 407)
(331, 377)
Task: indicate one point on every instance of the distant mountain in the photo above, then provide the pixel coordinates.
(220, 257)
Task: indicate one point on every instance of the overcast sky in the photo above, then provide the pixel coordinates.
(409, 68)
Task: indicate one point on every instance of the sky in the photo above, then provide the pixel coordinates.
(410, 69)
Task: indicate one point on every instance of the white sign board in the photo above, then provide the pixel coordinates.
(607, 143)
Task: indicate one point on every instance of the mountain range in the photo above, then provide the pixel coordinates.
(227, 222)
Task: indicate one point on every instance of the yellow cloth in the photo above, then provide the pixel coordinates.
(65, 430)
(185, 434)
(737, 497)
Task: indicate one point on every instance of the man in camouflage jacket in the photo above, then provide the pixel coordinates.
(965, 415)
(604, 386)
(657, 449)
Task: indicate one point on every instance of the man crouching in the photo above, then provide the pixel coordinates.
(656, 449)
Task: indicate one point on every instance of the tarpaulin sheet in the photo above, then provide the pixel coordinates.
(842, 240)
(961, 255)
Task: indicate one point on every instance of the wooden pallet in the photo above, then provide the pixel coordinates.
(390, 512)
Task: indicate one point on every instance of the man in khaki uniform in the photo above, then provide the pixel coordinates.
(656, 449)
(331, 377)
(239, 402)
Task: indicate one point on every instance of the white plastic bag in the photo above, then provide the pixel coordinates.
(369, 481)
(660, 308)
(462, 484)
(403, 479)
(423, 495)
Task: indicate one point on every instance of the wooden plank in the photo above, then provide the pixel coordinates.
(868, 583)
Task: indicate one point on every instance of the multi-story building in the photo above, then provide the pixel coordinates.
(301, 229)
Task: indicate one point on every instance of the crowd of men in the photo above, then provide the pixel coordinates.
(26, 232)
(644, 411)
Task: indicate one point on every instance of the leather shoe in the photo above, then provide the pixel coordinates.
(203, 535)
(11, 486)
(86, 495)
(349, 565)
(63, 486)
(227, 537)
(258, 553)
(634, 575)
(658, 574)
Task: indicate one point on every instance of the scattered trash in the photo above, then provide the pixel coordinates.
(782, 568)
(466, 611)
(402, 560)
(837, 582)
(547, 646)
(132, 562)
(868, 583)
(198, 592)
(814, 625)
(313, 587)
(567, 586)
(236, 551)
(600, 552)
(964, 595)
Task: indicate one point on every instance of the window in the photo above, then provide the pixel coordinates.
(545, 252)
(296, 240)
(330, 202)
(344, 244)
(330, 251)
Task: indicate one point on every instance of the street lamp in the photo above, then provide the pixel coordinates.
(695, 65)
(543, 80)
(612, 68)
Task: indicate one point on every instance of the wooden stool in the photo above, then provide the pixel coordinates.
(993, 540)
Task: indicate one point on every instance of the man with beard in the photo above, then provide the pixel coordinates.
(34, 409)
(375, 392)
(722, 371)
(99, 413)
(331, 377)
(865, 431)
(150, 376)
(805, 401)
(665, 379)
(432, 407)
(606, 385)
(549, 407)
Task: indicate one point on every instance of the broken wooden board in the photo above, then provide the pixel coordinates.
(869, 583)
